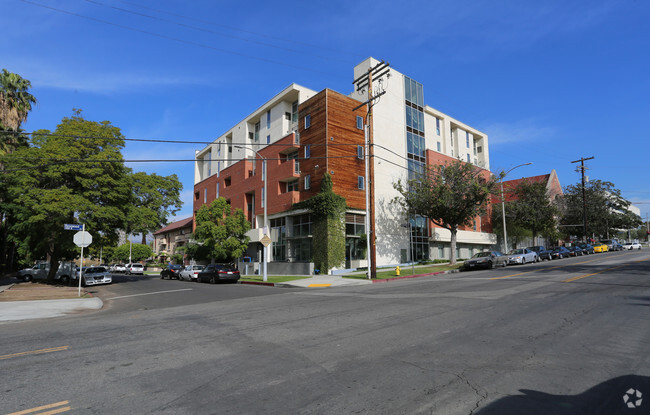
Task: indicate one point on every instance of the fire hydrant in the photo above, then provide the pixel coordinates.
(397, 271)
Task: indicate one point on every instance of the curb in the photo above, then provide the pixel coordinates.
(453, 271)
(267, 284)
(6, 287)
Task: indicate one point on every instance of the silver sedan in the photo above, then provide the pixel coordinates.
(522, 256)
(191, 272)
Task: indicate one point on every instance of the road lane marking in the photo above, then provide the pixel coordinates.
(40, 408)
(579, 277)
(156, 292)
(319, 285)
(559, 266)
(41, 351)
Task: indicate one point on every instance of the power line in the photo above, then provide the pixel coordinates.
(175, 39)
(301, 52)
(292, 41)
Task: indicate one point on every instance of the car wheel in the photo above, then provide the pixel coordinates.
(212, 280)
(505, 264)
(83, 282)
(490, 265)
(65, 280)
(27, 278)
(523, 261)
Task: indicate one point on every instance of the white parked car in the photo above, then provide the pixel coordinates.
(522, 256)
(632, 245)
(119, 268)
(191, 272)
(94, 276)
(134, 268)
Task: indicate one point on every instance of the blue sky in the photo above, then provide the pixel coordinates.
(548, 81)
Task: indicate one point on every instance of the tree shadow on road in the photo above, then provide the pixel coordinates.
(628, 394)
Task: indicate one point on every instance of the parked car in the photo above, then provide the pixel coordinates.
(612, 244)
(575, 250)
(94, 276)
(63, 274)
(587, 249)
(598, 247)
(521, 256)
(172, 271)
(631, 245)
(135, 268)
(191, 272)
(542, 253)
(119, 268)
(487, 259)
(617, 247)
(560, 252)
(218, 272)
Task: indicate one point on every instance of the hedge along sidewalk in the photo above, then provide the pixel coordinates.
(409, 272)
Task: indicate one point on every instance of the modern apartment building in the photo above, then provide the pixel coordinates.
(302, 134)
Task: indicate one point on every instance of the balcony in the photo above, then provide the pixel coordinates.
(181, 238)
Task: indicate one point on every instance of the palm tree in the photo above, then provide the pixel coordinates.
(15, 103)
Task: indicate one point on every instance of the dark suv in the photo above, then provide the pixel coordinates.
(542, 253)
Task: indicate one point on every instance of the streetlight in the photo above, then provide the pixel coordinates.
(266, 202)
(503, 208)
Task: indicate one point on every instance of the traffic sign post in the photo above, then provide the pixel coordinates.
(82, 239)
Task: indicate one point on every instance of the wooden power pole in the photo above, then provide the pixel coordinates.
(364, 82)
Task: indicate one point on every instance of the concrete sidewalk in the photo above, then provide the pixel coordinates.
(28, 310)
(323, 281)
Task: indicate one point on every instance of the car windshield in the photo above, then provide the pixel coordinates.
(481, 255)
(516, 252)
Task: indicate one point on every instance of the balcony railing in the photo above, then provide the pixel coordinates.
(296, 167)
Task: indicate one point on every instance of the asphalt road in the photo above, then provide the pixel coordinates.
(564, 337)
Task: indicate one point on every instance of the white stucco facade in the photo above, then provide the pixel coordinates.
(442, 134)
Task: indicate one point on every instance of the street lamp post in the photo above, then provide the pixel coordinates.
(266, 202)
(503, 208)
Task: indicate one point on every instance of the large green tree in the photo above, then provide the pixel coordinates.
(15, 103)
(134, 252)
(532, 209)
(222, 231)
(606, 209)
(449, 195)
(75, 175)
(155, 198)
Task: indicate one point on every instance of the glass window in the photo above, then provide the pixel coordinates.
(467, 138)
(359, 122)
(278, 236)
(438, 126)
(439, 146)
(292, 186)
(257, 131)
(294, 112)
(268, 139)
(307, 182)
(360, 152)
(217, 190)
(468, 160)
(307, 151)
(205, 195)
(268, 119)
(307, 121)
(360, 182)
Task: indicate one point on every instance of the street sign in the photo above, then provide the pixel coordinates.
(82, 239)
(73, 227)
(266, 241)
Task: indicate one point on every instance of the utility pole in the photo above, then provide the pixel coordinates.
(584, 194)
(364, 82)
